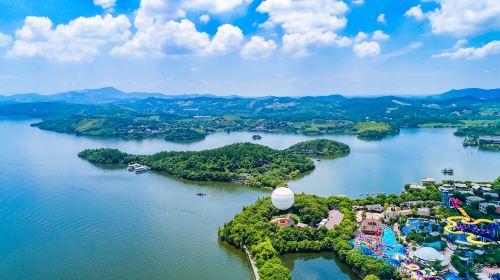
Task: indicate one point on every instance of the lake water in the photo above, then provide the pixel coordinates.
(63, 218)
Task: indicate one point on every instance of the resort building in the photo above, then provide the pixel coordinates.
(447, 188)
(417, 187)
(472, 199)
(490, 196)
(424, 211)
(466, 192)
(488, 140)
(371, 226)
(483, 207)
(461, 186)
(375, 208)
(428, 181)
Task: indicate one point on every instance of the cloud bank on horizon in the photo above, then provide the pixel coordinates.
(294, 46)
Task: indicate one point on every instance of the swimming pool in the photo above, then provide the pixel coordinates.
(417, 225)
(451, 276)
(391, 245)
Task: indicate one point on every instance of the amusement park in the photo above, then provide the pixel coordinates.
(426, 246)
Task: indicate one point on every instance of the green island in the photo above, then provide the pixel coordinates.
(245, 163)
(379, 237)
(185, 134)
(374, 130)
(319, 147)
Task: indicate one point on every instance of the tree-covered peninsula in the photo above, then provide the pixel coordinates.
(320, 147)
(266, 241)
(245, 163)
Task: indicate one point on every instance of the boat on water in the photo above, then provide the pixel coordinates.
(142, 169)
(201, 194)
(133, 166)
(138, 168)
(447, 171)
(256, 137)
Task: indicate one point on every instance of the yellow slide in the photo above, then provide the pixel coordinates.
(466, 220)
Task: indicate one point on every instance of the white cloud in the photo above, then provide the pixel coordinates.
(204, 19)
(358, 2)
(406, 50)
(492, 48)
(5, 40)
(415, 12)
(465, 17)
(258, 47)
(79, 40)
(152, 11)
(174, 38)
(381, 19)
(460, 43)
(214, 6)
(306, 23)
(360, 37)
(366, 49)
(105, 4)
(379, 35)
(227, 38)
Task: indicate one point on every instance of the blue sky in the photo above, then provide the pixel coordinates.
(250, 47)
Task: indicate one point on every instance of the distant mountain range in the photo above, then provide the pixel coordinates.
(112, 95)
(479, 93)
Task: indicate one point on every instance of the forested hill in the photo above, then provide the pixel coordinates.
(191, 117)
(246, 163)
(320, 147)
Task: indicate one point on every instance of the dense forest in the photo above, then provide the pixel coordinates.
(176, 118)
(246, 163)
(319, 147)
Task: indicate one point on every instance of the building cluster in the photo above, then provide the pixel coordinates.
(476, 193)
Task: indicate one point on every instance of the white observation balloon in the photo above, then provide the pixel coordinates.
(282, 198)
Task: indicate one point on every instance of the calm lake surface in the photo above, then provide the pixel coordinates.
(63, 218)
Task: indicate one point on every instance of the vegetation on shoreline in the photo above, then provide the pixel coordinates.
(472, 134)
(184, 134)
(266, 241)
(246, 163)
(319, 147)
(159, 117)
(374, 130)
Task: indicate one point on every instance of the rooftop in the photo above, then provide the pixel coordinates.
(430, 254)
(371, 225)
(474, 198)
(335, 217)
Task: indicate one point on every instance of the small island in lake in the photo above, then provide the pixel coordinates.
(320, 147)
(244, 163)
(375, 130)
(184, 134)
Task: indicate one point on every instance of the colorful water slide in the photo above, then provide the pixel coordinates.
(465, 219)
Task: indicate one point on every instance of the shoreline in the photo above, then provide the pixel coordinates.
(255, 270)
